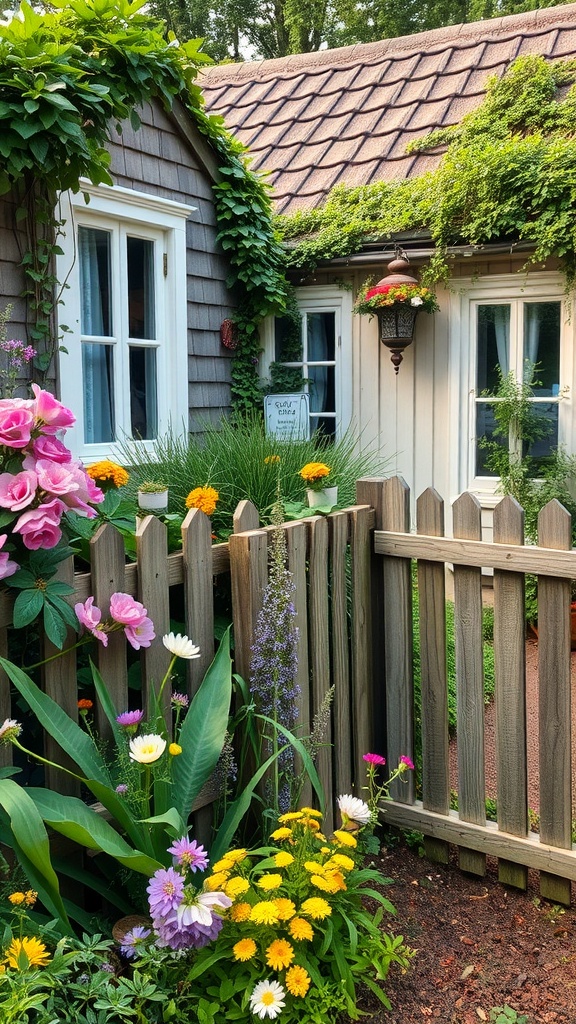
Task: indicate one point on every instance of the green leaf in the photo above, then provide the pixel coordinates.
(32, 839)
(301, 750)
(204, 730)
(27, 606)
(54, 625)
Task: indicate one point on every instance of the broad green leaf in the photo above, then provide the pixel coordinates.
(76, 820)
(54, 626)
(90, 880)
(203, 732)
(301, 750)
(55, 721)
(32, 839)
(27, 606)
(170, 817)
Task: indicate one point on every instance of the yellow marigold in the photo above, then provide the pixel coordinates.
(311, 812)
(301, 930)
(314, 471)
(236, 855)
(240, 912)
(217, 881)
(268, 882)
(279, 954)
(281, 833)
(311, 823)
(16, 898)
(35, 951)
(291, 816)
(236, 887)
(345, 838)
(297, 981)
(271, 459)
(265, 913)
(283, 859)
(244, 949)
(286, 909)
(321, 837)
(107, 470)
(204, 498)
(316, 908)
(30, 897)
(174, 749)
(324, 849)
(325, 884)
(313, 866)
(341, 861)
(225, 864)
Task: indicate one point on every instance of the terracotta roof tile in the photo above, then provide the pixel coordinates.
(347, 115)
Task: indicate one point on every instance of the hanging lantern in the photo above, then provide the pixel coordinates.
(396, 322)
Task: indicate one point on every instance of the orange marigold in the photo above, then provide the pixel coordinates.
(204, 498)
(312, 472)
(105, 470)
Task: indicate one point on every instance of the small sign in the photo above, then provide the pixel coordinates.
(287, 417)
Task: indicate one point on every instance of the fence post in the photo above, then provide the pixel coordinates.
(320, 651)
(248, 575)
(510, 690)
(370, 491)
(433, 674)
(467, 525)
(554, 705)
(198, 592)
(398, 639)
(246, 517)
(153, 592)
(343, 751)
(295, 533)
(107, 567)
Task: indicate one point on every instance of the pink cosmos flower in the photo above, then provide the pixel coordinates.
(17, 490)
(188, 853)
(7, 567)
(40, 526)
(374, 758)
(130, 719)
(406, 761)
(91, 618)
(56, 478)
(141, 635)
(50, 415)
(16, 423)
(127, 611)
(46, 447)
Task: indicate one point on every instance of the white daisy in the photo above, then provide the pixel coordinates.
(416, 301)
(146, 749)
(180, 646)
(354, 809)
(9, 728)
(267, 999)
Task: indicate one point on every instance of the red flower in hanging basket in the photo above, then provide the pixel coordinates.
(229, 334)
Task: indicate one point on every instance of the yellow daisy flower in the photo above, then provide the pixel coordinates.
(264, 913)
(241, 912)
(216, 881)
(336, 878)
(30, 897)
(325, 884)
(34, 950)
(311, 812)
(324, 849)
(313, 866)
(345, 838)
(174, 749)
(291, 816)
(226, 864)
(268, 882)
(16, 898)
(342, 861)
(311, 823)
(279, 954)
(236, 855)
(297, 981)
(236, 887)
(244, 949)
(281, 833)
(301, 930)
(283, 859)
(286, 908)
(316, 908)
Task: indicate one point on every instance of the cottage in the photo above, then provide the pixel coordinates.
(345, 118)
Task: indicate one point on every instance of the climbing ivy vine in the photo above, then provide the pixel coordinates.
(508, 172)
(67, 74)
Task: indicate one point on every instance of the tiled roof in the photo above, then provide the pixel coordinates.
(314, 120)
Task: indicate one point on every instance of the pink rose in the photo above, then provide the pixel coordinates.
(7, 567)
(56, 478)
(46, 447)
(17, 490)
(50, 415)
(86, 491)
(141, 635)
(91, 618)
(16, 424)
(125, 610)
(40, 526)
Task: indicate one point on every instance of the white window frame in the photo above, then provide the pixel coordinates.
(127, 212)
(500, 289)
(324, 299)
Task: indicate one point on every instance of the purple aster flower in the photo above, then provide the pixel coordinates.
(165, 891)
(130, 720)
(189, 854)
(180, 700)
(194, 923)
(132, 939)
(122, 789)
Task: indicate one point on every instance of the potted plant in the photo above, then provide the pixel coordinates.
(321, 490)
(152, 495)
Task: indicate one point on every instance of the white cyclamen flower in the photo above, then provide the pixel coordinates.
(146, 749)
(200, 908)
(354, 809)
(10, 727)
(180, 646)
(267, 999)
(416, 301)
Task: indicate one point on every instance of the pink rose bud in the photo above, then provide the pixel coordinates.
(50, 415)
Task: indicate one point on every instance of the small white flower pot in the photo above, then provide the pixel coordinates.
(153, 501)
(327, 496)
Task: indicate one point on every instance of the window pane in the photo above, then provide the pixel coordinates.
(493, 335)
(141, 319)
(325, 424)
(321, 336)
(321, 388)
(540, 450)
(485, 424)
(542, 344)
(288, 339)
(95, 267)
(143, 393)
(98, 380)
